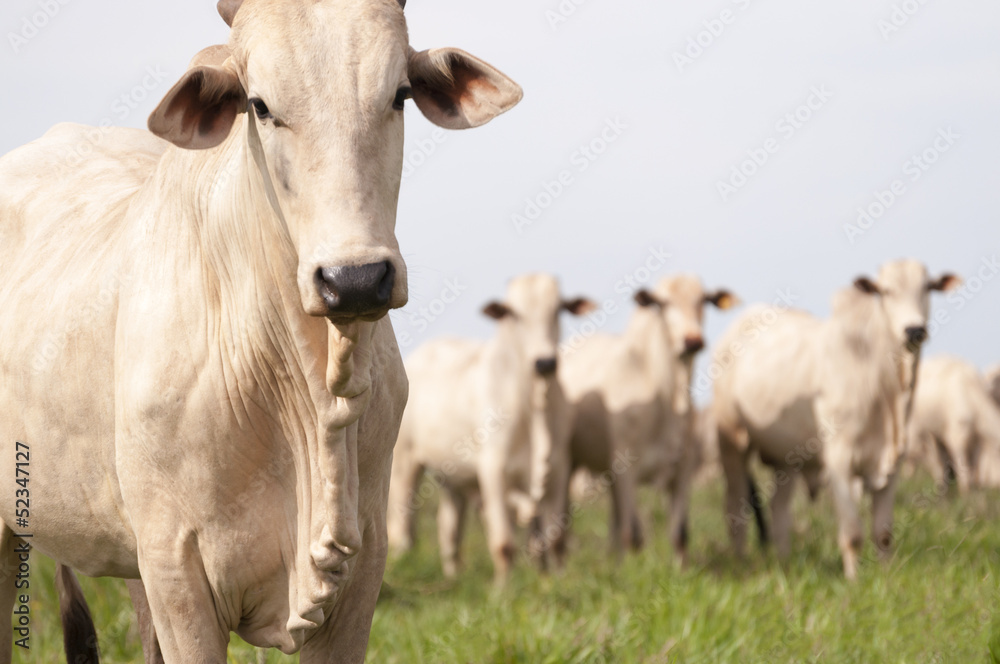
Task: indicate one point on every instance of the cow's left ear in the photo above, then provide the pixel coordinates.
(497, 310)
(456, 90)
(200, 109)
(645, 299)
(722, 299)
(945, 282)
(578, 306)
(866, 285)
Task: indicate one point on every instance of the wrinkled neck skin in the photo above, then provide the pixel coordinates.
(646, 337)
(540, 400)
(549, 431)
(879, 378)
(250, 263)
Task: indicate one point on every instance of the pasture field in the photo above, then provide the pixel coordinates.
(936, 601)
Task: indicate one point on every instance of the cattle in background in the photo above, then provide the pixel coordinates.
(633, 419)
(193, 343)
(955, 429)
(992, 378)
(489, 417)
(809, 395)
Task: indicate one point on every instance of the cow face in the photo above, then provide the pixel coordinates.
(531, 314)
(323, 85)
(903, 288)
(682, 300)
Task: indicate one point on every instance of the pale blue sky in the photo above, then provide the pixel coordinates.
(678, 131)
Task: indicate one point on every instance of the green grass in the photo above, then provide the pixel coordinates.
(936, 601)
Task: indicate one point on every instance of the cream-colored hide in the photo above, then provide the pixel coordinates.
(193, 342)
(633, 420)
(956, 423)
(489, 417)
(808, 394)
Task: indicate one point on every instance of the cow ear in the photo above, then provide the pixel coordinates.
(722, 299)
(945, 282)
(456, 90)
(866, 285)
(578, 306)
(497, 310)
(200, 109)
(227, 10)
(644, 298)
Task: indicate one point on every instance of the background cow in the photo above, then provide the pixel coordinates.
(807, 395)
(955, 428)
(489, 417)
(632, 407)
(193, 343)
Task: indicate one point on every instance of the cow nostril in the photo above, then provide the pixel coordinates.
(546, 366)
(356, 289)
(916, 334)
(693, 344)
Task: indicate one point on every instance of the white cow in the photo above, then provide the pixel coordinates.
(956, 423)
(633, 420)
(489, 417)
(807, 394)
(193, 349)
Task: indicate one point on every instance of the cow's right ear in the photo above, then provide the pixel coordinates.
(644, 298)
(497, 310)
(866, 285)
(200, 109)
(456, 90)
(578, 306)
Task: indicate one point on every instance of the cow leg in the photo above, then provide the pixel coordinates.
(737, 509)
(8, 593)
(781, 515)
(147, 633)
(814, 482)
(499, 532)
(680, 500)
(959, 439)
(625, 531)
(181, 602)
(403, 500)
(451, 525)
(882, 506)
(849, 523)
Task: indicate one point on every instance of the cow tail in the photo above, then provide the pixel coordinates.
(758, 510)
(79, 635)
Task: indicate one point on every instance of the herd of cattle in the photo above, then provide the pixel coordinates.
(832, 402)
(197, 369)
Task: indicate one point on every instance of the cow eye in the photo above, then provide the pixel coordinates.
(260, 108)
(402, 94)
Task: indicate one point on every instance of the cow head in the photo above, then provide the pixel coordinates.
(530, 314)
(323, 85)
(681, 300)
(903, 288)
